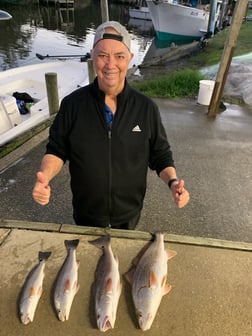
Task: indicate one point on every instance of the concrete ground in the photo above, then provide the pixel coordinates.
(213, 156)
(211, 275)
(211, 285)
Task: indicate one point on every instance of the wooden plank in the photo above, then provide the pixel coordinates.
(26, 225)
(124, 234)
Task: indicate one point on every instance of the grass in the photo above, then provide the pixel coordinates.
(185, 82)
(176, 84)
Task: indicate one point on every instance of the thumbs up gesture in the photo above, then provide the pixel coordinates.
(41, 191)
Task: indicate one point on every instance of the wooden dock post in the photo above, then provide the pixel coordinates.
(104, 10)
(227, 55)
(91, 72)
(52, 92)
(105, 17)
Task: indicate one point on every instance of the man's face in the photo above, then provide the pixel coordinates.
(111, 59)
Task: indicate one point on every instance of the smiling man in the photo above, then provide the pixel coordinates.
(110, 134)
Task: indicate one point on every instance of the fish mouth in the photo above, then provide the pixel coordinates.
(26, 319)
(106, 325)
(145, 323)
(62, 316)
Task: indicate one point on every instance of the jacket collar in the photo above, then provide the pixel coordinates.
(101, 95)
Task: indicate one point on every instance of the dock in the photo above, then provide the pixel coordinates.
(59, 3)
(211, 282)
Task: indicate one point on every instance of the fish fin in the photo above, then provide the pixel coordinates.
(119, 287)
(108, 286)
(67, 285)
(129, 275)
(44, 255)
(32, 292)
(163, 281)
(71, 243)
(116, 259)
(101, 242)
(170, 253)
(153, 280)
(77, 287)
(40, 290)
(167, 289)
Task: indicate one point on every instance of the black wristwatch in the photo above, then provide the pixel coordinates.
(171, 182)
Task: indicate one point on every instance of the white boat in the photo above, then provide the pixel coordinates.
(143, 26)
(31, 80)
(140, 11)
(173, 21)
(5, 15)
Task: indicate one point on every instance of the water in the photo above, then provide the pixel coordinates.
(57, 31)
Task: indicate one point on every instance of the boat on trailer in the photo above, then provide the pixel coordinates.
(30, 81)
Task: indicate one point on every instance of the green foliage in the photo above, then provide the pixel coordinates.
(176, 84)
(186, 82)
(212, 53)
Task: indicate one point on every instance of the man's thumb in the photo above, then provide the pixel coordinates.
(42, 178)
(181, 184)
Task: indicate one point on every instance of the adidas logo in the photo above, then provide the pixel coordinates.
(136, 129)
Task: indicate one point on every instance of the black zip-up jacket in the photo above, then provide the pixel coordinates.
(108, 168)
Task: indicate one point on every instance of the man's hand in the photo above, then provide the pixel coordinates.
(180, 194)
(41, 191)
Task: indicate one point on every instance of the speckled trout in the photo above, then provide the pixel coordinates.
(32, 289)
(67, 282)
(148, 276)
(107, 285)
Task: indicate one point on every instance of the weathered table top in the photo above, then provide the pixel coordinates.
(211, 286)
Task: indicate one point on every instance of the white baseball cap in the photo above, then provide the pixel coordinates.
(122, 35)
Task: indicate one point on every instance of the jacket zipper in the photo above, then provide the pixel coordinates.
(110, 176)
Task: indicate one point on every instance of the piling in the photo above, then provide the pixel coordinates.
(52, 92)
(91, 72)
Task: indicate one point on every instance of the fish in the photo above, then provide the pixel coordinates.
(107, 285)
(148, 276)
(32, 289)
(67, 285)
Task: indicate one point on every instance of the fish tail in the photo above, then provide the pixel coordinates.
(101, 242)
(44, 255)
(72, 243)
(156, 234)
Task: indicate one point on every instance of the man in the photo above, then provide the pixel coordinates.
(110, 134)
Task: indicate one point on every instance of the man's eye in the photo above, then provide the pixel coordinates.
(120, 57)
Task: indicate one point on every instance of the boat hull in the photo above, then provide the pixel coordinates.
(177, 22)
(31, 80)
(141, 13)
(5, 15)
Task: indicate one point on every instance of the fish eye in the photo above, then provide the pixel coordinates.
(139, 314)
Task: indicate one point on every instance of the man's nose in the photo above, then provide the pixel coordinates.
(110, 61)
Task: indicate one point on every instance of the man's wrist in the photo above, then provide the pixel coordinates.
(171, 181)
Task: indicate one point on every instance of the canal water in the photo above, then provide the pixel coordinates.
(53, 31)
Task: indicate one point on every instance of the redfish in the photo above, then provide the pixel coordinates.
(67, 282)
(148, 276)
(107, 285)
(32, 289)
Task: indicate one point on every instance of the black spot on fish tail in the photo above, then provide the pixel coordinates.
(44, 255)
(72, 243)
(101, 242)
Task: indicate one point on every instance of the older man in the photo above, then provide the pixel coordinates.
(110, 134)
